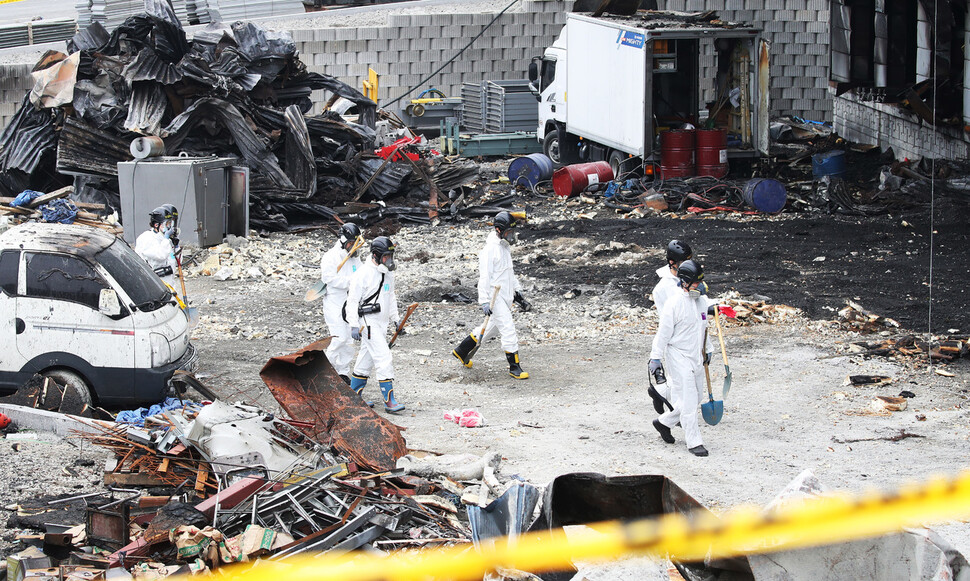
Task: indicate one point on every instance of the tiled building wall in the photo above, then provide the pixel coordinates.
(888, 126)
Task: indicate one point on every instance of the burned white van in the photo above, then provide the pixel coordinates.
(79, 305)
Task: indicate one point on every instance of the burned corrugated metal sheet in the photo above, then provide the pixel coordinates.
(94, 37)
(98, 102)
(87, 150)
(391, 179)
(231, 118)
(25, 140)
(147, 66)
(300, 164)
(146, 108)
(309, 390)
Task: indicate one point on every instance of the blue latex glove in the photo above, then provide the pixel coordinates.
(486, 309)
(655, 364)
(355, 333)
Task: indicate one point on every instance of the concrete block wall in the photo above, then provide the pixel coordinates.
(799, 35)
(412, 46)
(15, 81)
(889, 126)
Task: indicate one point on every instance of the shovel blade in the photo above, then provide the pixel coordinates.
(316, 291)
(712, 411)
(727, 382)
(192, 314)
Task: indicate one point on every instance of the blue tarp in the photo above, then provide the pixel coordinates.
(25, 197)
(137, 417)
(62, 211)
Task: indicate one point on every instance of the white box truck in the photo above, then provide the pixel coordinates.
(609, 84)
(78, 305)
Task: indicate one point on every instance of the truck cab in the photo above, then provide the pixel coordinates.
(77, 304)
(547, 77)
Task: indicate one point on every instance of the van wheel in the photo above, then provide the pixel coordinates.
(72, 379)
(552, 147)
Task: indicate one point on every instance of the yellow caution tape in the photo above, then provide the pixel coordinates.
(9, 1)
(742, 531)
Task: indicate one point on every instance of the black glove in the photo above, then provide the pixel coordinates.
(523, 304)
(707, 358)
(486, 309)
(710, 310)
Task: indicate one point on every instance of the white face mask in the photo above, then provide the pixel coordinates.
(694, 293)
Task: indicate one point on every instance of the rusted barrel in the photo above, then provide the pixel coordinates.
(676, 153)
(712, 159)
(573, 179)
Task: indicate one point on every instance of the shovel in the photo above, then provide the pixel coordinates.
(319, 288)
(713, 410)
(191, 313)
(727, 368)
(481, 336)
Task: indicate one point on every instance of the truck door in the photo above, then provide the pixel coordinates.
(552, 96)
(10, 360)
(62, 325)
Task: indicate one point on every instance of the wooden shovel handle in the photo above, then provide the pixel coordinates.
(404, 320)
(357, 244)
(707, 370)
(491, 306)
(720, 335)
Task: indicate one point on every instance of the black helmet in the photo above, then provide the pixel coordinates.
(157, 217)
(348, 234)
(690, 272)
(382, 249)
(504, 221)
(171, 213)
(678, 251)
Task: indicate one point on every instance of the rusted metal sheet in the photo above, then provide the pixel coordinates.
(309, 389)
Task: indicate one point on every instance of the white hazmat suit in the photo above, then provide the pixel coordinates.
(374, 353)
(157, 251)
(495, 268)
(680, 341)
(341, 349)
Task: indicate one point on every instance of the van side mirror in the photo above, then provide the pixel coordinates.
(533, 72)
(108, 303)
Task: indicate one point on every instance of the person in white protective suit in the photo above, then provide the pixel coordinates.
(669, 285)
(336, 269)
(371, 307)
(682, 340)
(495, 269)
(157, 247)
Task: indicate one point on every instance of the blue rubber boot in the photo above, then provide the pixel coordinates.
(390, 404)
(357, 383)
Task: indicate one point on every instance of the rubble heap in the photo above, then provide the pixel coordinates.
(233, 90)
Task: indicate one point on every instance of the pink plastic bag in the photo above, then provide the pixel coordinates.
(467, 418)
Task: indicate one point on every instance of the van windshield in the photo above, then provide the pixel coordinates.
(134, 275)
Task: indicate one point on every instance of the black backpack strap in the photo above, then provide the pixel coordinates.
(374, 296)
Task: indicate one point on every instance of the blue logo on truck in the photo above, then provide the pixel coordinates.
(634, 39)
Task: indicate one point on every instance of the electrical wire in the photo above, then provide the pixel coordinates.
(449, 61)
(929, 305)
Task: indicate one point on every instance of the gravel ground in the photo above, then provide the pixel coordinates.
(585, 407)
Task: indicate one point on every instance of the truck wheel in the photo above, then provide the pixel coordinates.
(71, 379)
(551, 147)
(618, 161)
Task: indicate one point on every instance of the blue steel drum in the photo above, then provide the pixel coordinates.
(765, 195)
(531, 169)
(829, 163)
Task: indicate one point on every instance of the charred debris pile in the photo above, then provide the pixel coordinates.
(233, 90)
(196, 487)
